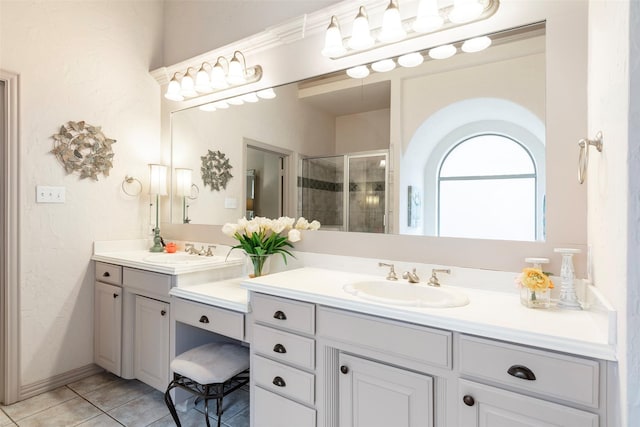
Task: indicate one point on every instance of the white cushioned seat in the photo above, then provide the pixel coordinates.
(212, 363)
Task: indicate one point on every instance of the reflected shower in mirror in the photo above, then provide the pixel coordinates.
(417, 117)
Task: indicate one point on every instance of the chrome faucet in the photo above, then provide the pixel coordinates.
(433, 280)
(411, 276)
(392, 272)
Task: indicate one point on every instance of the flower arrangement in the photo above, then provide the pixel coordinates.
(260, 237)
(535, 287)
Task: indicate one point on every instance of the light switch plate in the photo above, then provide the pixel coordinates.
(49, 194)
(230, 202)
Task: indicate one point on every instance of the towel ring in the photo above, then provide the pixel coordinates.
(128, 180)
(583, 155)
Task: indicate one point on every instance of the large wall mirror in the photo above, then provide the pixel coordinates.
(452, 147)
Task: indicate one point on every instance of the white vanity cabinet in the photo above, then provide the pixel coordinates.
(151, 354)
(283, 362)
(504, 384)
(107, 309)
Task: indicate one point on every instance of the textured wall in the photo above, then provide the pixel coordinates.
(77, 61)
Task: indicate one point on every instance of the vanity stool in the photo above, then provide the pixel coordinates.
(210, 371)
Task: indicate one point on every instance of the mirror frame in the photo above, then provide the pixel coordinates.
(566, 31)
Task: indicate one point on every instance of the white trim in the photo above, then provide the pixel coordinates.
(51, 383)
(10, 244)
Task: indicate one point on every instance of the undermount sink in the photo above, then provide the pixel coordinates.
(406, 294)
(182, 258)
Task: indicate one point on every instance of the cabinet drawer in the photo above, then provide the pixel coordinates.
(284, 313)
(272, 410)
(284, 380)
(108, 273)
(570, 378)
(418, 344)
(214, 319)
(284, 346)
(151, 283)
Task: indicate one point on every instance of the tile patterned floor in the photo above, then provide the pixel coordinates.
(104, 400)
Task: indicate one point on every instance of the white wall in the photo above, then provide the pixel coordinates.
(77, 61)
(362, 132)
(614, 211)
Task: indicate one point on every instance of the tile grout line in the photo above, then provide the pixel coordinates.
(91, 403)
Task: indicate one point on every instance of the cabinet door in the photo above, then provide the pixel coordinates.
(372, 394)
(151, 358)
(486, 406)
(107, 333)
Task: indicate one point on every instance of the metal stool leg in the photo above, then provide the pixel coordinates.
(170, 405)
(206, 405)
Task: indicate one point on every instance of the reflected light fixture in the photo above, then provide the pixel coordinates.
(465, 11)
(428, 17)
(333, 45)
(392, 30)
(359, 72)
(211, 78)
(266, 93)
(157, 187)
(476, 44)
(236, 100)
(183, 189)
(383, 66)
(250, 97)
(443, 52)
(411, 60)
(361, 34)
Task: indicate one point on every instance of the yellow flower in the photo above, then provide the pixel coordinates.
(535, 279)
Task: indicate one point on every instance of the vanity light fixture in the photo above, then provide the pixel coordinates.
(251, 97)
(359, 72)
(266, 93)
(476, 44)
(209, 78)
(208, 107)
(442, 52)
(157, 187)
(383, 66)
(429, 18)
(411, 60)
(237, 100)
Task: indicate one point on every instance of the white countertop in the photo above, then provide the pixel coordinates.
(490, 314)
(226, 294)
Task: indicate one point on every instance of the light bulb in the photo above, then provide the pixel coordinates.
(266, 93)
(476, 44)
(361, 34)
(250, 97)
(465, 11)
(235, 100)
(392, 30)
(207, 107)
(383, 66)
(218, 76)
(428, 18)
(333, 45)
(411, 60)
(202, 84)
(236, 74)
(221, 105)
(443, 52)
(359, 72)
(173, 90)
(187, 88)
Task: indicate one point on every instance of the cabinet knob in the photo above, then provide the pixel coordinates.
(469, 400)
(344, 369)
(204, 319)
(521, 372)
(115, 295)
(106, 274)
(163, 312)
(279, 348)
(278, 381)
(279, 315)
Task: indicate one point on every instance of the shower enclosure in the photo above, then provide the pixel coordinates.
(361, 205)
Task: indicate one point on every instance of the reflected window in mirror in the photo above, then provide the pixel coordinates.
(487, 189)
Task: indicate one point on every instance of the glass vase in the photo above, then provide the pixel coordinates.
(535, 299)
(257, 265)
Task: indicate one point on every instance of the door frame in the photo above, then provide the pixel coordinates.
(10, 242)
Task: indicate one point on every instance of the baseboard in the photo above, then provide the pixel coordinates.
(48, 384)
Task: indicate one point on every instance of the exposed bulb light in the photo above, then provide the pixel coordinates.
(392, 30)
(383, 66)
(202, 84)
(173, 90)
(359, 72)
(428, 18)
(465, 11)
(411, 60)
(218, 74)
(333, 45)
(476, 44)
(361, 34)
(207, 107)
(250, 97)
(187, 87)
(237, 69)
(443, 52)
(266, 93)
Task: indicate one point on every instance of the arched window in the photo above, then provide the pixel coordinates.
(487, 188)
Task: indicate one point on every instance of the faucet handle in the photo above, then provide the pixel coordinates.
(392, 272)
(210, 249)
(188, 246)
(433, 280)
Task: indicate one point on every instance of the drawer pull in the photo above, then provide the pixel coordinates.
(203, 319)
(278, 381)
(279, 348)
(115, 295)
(163, 312)
(344, 369)
(469, 400)
(521, 372)
(106, 274)
(279, 315)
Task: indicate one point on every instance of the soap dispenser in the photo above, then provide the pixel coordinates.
(568, 296)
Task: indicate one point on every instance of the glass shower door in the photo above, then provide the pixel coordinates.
(367, 201)
(321, 191)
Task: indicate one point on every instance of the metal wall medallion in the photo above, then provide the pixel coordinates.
(83, 149)
(215, 170)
